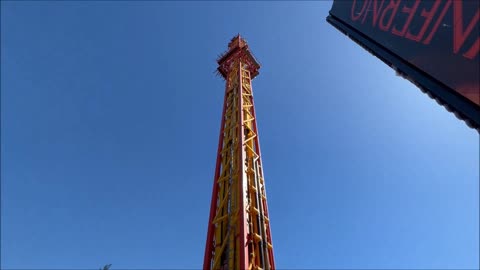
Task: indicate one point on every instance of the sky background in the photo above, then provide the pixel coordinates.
(110, 115)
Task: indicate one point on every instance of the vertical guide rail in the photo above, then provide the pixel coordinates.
(263, 193)
(244, 250)
(238, 227)
(260, 240)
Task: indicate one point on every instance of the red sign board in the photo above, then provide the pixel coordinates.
(438, 40)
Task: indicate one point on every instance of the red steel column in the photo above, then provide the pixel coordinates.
(213, 205)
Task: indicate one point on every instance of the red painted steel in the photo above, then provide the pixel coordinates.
(250, 245)
(213, 205)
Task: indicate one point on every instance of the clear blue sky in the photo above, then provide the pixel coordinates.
(110, 117)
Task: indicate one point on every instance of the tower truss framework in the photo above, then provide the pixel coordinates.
(239, 234)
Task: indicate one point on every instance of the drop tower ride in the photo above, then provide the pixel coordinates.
(238, 226)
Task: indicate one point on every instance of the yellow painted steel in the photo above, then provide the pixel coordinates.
(255, 218)
(226, 213)
(227, 243)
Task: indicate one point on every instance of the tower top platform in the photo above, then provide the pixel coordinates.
(237, 50)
